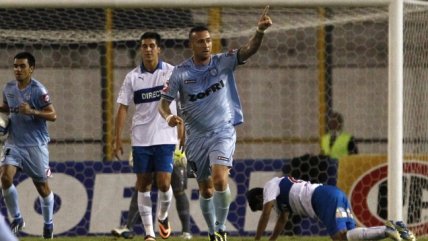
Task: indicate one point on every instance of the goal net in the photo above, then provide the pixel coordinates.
(314, 60)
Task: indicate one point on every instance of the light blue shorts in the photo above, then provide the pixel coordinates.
(32, 160)
(216, 147)
(149, 159)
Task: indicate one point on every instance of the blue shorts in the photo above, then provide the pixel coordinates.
(32, 160)
(149, 159)
(216, 147)
(333, 209)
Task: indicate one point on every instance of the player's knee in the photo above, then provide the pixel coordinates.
(220, 183)
(178, 193)
(207, 193)
(42, 188)
(6, 181)
(164, 187)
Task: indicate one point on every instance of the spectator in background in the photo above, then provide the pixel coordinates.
(337, 143)
(26, 147)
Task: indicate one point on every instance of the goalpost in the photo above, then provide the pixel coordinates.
(310, 43)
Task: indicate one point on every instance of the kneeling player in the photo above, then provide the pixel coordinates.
(327, 203)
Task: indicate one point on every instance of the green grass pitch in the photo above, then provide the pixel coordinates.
(195, 238)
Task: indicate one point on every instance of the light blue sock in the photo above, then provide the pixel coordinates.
(47, 205)
(207, 208)
(221, 205)
(11, 200)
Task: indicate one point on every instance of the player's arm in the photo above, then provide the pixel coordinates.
(4, 108)
(181, 132)
(48, 112)
(121, 115)
(166, 113)
(253, 45)
(279, 226)
(264, 219)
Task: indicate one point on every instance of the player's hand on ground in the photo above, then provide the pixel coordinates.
(179, 158)
(265, 21)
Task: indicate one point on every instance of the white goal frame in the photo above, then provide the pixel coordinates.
(395, 61)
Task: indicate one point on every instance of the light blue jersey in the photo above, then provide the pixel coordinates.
(26, 130)
(208, 95)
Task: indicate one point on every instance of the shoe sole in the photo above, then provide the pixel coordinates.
(19, 229)
(164, 233)
(116, 234)
(403, 231)
(219, 237)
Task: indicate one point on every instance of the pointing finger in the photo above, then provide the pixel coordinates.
(266, 10)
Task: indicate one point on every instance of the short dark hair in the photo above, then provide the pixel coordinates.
(28, 56)
(255, 198)
(195, 29)
(337, 116)
(151, 35)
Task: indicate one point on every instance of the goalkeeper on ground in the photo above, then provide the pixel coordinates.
(327, 203)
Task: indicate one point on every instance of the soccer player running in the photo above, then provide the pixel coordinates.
(153, 141)
(327, 203)
(26, 146)
(210, 108)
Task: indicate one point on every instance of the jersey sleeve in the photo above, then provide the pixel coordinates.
(126, 93)
(42, 98)
(230, 58)
(270, 191)
(170, 90)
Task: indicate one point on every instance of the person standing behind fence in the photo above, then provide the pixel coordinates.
(211, 108)
(153, 141)
(26, 146)
(337, 143)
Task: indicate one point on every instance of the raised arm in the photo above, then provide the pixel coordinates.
(253, 45)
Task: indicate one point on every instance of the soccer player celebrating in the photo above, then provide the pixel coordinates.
(211, 108)
(153, 141)
(26, 146)
(327, 203)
